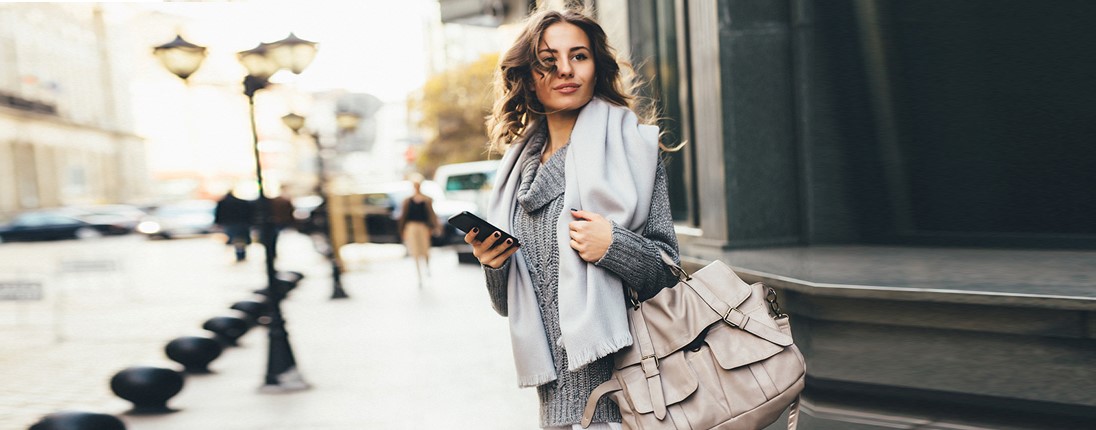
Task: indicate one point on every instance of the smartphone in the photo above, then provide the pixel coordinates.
(466, 221)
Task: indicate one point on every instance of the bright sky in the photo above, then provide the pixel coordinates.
(376, 47)
(372, 46)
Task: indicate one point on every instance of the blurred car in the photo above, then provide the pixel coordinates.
(54, 224)
(471, 183)
(176, 219)
(384, 206)
(122, 218)
(468, 182)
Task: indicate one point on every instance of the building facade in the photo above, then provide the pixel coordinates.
(66, 136)
(913, 176)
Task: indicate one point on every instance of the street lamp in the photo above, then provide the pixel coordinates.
(183, 58)
(296, 123)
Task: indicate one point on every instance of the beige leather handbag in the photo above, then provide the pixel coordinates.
(713, 352)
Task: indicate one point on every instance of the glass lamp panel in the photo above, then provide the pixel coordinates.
(258, 63)
(180, 57)
(292, 53)
(293, 121)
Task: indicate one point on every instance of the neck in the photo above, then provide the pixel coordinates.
(559, 129)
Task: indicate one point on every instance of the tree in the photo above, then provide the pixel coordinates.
(453, 106)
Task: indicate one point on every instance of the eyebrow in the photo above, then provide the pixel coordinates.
(572, 49)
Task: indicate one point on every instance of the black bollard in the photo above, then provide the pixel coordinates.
(148, 388)
(77, 420)
(252, 309)
(194, 352)
(227, 329)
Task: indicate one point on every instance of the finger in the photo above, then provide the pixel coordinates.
(470, 237)
(490, 241)
(499, 260)
(580, 214)
(575, 225)
(509, 252)
(577, 246)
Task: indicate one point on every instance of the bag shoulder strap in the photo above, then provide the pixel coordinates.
(610, 386)
(793, 413)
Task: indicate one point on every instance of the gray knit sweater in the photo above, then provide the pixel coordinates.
(631, 256)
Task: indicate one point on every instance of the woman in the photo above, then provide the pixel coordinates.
(417, 221)
(581, 188)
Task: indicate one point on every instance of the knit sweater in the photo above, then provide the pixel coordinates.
(632, 256)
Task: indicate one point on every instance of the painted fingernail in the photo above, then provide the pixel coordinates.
(475, 230)
(509, 241)
(496, 234)
(574, 210)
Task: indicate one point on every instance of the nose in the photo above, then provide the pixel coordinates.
(564, 68)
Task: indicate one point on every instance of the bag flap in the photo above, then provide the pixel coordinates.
(678, 382)
(733, 347)
(676, 316)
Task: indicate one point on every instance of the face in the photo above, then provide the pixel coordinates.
(571, 85)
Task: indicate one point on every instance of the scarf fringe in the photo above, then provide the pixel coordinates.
(576, 360)
(527, 381)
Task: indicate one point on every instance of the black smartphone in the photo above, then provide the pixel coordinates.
(466, 221)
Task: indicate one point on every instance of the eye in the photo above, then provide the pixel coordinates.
(548, 60)
(579, 57)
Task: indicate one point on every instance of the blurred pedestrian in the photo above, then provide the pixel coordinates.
(417, 223)
(581, 188)
(281, 216)
(235, 217)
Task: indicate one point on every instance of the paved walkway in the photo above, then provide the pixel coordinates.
(390, 357)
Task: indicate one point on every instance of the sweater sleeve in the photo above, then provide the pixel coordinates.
(635, 257)
(496, 286)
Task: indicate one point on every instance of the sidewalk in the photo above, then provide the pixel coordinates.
(390, 357)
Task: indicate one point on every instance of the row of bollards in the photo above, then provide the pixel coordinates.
(149, 388)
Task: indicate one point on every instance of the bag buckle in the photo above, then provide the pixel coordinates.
(652, 356)
(727, 318)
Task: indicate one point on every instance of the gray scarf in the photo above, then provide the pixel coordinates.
(610, 170)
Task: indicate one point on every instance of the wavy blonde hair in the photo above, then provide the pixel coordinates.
(516, 104)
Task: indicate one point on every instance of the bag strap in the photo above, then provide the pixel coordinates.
(648, 361)
(731, 315)
(610, 386)
(793, 413)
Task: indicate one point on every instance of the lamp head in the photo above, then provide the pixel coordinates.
(180, 57)
(292, 53)
(294, 122)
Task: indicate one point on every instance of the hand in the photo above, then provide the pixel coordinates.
(591, 235)
(486, 252)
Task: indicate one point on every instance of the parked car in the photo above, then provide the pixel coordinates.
(384, 202)
(470, 183)
(176, 219)
(53, 224)
(123, 218)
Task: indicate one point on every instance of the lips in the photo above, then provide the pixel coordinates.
(567, 88)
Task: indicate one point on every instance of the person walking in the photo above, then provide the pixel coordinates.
(581, 188)
(417, 223)
(281, 216)
(235, 217)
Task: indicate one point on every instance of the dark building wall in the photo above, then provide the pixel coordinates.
(995, 116)
(872, 121)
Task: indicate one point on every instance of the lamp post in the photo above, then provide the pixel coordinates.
(183, 58)
(296, 123)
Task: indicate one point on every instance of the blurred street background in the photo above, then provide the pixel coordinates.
(914, 177)
(370, 360)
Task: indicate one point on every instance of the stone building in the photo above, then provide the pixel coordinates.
(66, 136)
